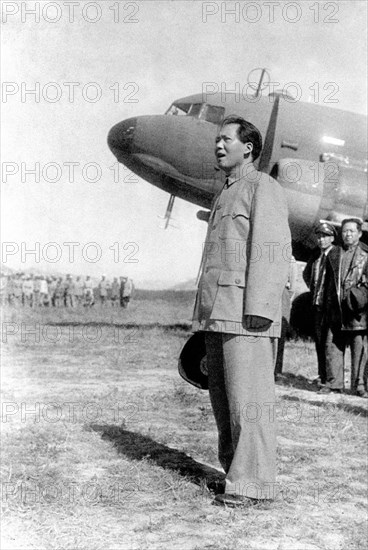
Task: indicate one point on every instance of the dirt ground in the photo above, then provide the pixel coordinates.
(105, 447)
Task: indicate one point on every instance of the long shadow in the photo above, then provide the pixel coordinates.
(136, 446)
(299, 382)
(144, 326)
(302, 383)
(354, 409)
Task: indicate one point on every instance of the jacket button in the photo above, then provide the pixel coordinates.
(218, 207)
(237, 281)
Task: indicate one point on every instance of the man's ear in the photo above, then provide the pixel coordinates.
(248, 148)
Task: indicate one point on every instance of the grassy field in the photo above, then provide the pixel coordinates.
(105, 447)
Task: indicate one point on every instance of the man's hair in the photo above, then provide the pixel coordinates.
(247, 133)
(357, 221)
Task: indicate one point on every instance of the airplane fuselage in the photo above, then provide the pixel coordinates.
(317, 154)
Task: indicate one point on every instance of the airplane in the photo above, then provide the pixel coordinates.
(316, 153)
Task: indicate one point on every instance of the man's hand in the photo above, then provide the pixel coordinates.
(254, 322)
(203, 215)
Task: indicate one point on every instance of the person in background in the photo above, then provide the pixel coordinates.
(78, 291)
(60, 293)
(127, 291)
(122, 285)
(115, 292)
(27, 290)
(89, 299)
(18, 289)
(287, 298)
(36, 290)
(103, 287)
(314, 276)
(346, 309)
(44, 292)
(52, 282)
(69, 291)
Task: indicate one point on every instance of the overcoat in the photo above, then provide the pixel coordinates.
(310, 270)
(246, 257)
(338, 310)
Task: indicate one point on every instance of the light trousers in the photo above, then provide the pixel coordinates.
(242, 393)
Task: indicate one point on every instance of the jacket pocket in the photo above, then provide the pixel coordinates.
(234, 225)
(229, 300)
(232, 278)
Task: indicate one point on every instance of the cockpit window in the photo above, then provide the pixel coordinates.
(214, 114)
(195, 109)
(178, 110)
(189, 109)
(210, 113)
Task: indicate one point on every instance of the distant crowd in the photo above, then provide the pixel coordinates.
(20, 289)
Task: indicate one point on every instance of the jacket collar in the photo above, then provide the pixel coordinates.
(242, 172)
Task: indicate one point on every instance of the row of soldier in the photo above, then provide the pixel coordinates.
(20, 289)
(337, 277)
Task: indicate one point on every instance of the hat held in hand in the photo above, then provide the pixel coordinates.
(192, 364)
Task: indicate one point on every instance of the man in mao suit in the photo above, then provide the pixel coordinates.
(238, 305)
(314, 276)
(347, 309)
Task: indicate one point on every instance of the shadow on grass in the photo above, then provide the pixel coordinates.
(136, 446)
(170, 326)
(347, 407)
(299, 382)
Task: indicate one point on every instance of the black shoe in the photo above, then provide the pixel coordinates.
(318, 382)
(279, 377)
(217, 487)
(236, 501)
(362, 393)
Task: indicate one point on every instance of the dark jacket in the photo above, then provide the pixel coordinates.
(309, 273)
(339, 300)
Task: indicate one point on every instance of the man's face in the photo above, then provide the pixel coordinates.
(229, 149)
(324, 241)
(351, 234)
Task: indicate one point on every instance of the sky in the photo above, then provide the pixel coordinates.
(94, 64)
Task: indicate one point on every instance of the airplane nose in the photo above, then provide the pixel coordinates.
(121, 136)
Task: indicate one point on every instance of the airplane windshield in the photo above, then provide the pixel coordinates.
(203, 111)
(186, 109)
(214, 114)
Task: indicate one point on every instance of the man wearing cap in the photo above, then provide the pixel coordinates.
(238, 306)
(347, 309)
(314, 276)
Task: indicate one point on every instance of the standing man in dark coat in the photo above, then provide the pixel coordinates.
(238, 305)
(346, 309)
(122, 287)
(314, 276)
